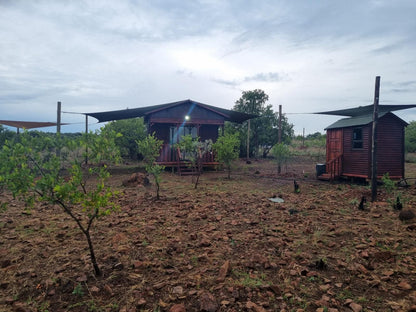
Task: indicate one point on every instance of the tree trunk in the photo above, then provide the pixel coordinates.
(86, 232)
(92, 254)
(197, 180)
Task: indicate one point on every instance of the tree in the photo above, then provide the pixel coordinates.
(5, 135)
(150, 147)
(193, 150)
(410, 137)
(264, 130)
(33, 172)
(227, 150)
(131, 130)
(281, 153)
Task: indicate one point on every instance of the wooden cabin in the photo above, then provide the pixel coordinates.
(171, 121)
(349, 142)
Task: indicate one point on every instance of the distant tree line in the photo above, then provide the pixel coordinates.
(410, 137)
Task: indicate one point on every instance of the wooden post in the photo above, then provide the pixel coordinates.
(248, 140)
(303, 138)
(280, 124)
(86, 137)
(374, 142)
(58, 118)
(279, 168)
(58, 127)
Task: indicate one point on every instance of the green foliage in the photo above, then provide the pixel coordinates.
(264, 130)
(3, 207)
(227, 150)
(150, 148)
(6, 135)
(78, 291)
(316, 136)
(131, 130)
(249, 280)
(410, 137)
(33, 169)
(388, 183)
(101, 147)
(281, 153)
(317, 140)
(189, 146)
(192, 150)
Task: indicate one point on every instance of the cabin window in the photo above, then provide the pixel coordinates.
(176, 133)
(357, 138)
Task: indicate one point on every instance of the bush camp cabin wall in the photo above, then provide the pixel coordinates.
(348, 145)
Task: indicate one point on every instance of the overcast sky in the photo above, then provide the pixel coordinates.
(307, 55)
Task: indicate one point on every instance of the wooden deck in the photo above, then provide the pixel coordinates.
(171, 157)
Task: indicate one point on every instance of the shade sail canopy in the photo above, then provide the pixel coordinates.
(229, 115)
(28, 124)
(359, 121)
(366, 110)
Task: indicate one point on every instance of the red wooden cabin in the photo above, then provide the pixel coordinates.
(349, 141)
(171, 121)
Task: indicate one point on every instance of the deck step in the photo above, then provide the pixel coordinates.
(188, 173)
(324, 177)
(327, 177)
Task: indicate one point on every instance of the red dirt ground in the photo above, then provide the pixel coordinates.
(221, 247)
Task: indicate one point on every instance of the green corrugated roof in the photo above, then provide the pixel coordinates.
(356, 121)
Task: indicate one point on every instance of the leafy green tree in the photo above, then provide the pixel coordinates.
(281, 153)
(227, 150)
(264, 130)
(33, 172)
(150, 148)
(316, 136)
(5, 135)
(193, 150)
(131, 130)
(410, 137)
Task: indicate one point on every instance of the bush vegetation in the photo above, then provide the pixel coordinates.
(51, 169)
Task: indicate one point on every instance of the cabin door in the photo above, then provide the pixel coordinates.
(333, 144)
(334, 150)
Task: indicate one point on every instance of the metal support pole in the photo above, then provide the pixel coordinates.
(374, 142)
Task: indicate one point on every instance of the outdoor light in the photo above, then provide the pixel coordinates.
(187, 117)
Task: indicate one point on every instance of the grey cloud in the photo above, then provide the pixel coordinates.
(228, 83)
(259, 77)
(404, 86)
(266, 77)
(334, 24)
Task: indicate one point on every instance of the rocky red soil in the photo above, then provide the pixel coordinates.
(224, 246)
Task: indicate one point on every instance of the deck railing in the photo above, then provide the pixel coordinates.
(169, 154)
(334, 167)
